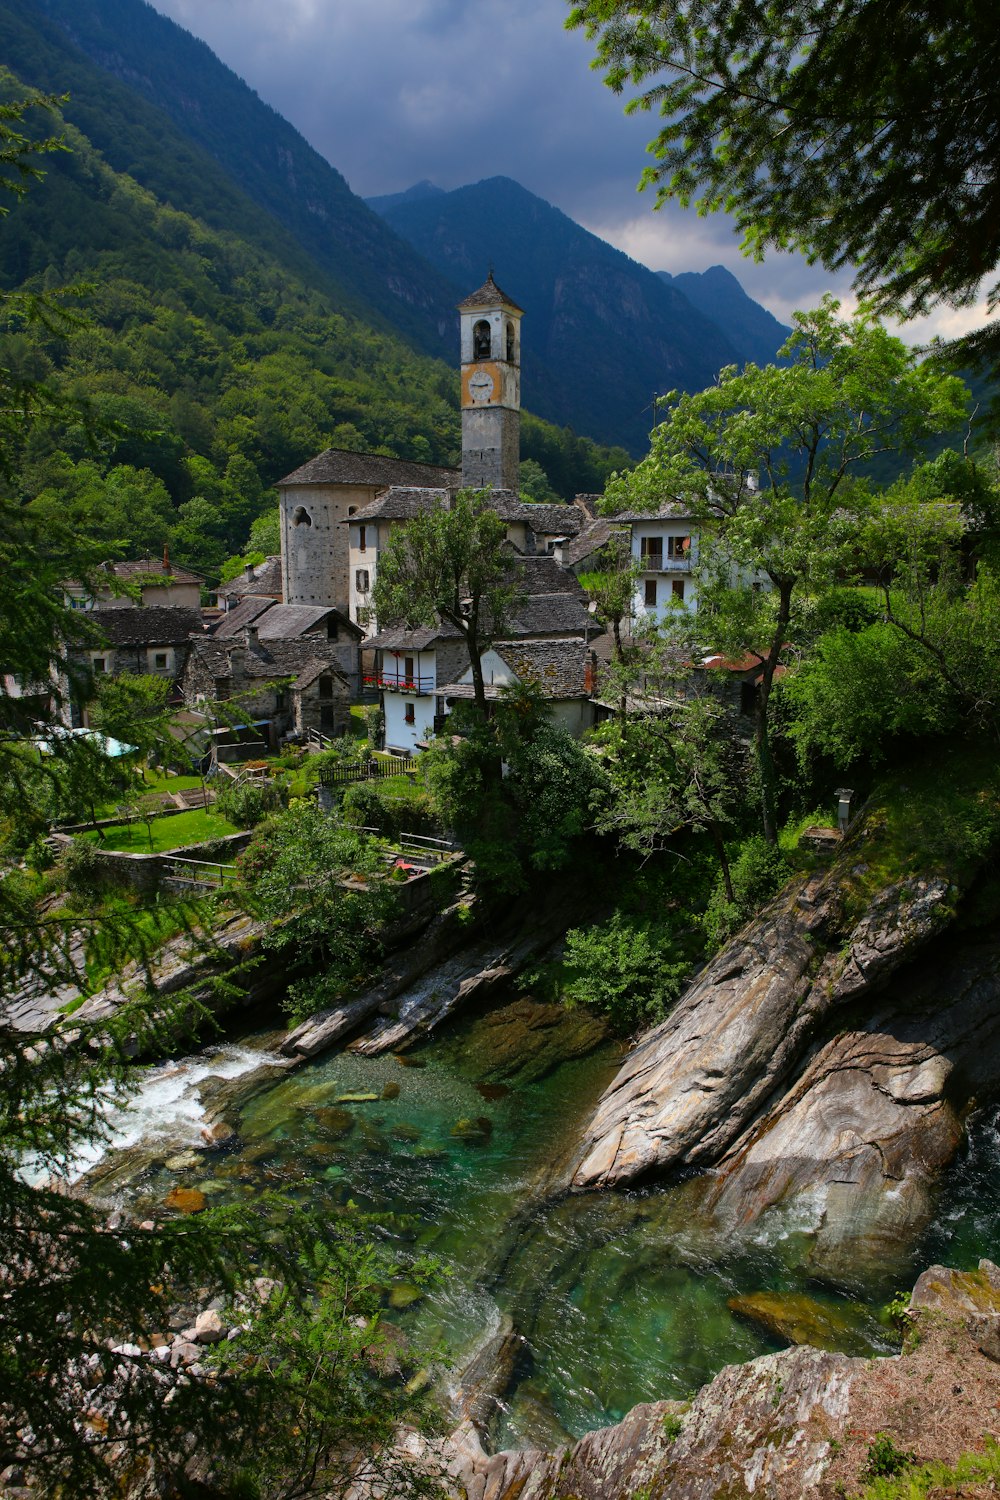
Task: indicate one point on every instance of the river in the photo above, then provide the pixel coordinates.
(621, 1297)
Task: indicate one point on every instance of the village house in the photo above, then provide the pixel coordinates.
(147, 582)
(262, 579)
(564, 672)
(284, 687)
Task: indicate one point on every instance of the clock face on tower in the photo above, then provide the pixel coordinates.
(481, 385)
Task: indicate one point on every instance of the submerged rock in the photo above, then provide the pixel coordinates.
(404, 1294)
(526, 1040)
(390, 1091)
(334, 1122)
(186, 1200)
(473, 1132)
(404, 1131)
(799, 1319)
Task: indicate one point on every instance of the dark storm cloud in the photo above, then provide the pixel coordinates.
(392, 91)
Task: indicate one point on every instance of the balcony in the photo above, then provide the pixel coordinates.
(654, 562)
(393, 682)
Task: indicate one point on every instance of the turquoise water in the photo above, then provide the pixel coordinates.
(619, 1297)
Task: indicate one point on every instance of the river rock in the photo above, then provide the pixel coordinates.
(473, 1132)
(334, 1122)
(186, 1200)
(796, 1318)
(390, 1091)
(850, 1155)
(485, 1379)
(525, 1040)
(209, 1328)
(404, 1294)
(697, 1081)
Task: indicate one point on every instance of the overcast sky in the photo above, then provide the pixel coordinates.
(394, 91)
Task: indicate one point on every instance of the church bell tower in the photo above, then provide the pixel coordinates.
(491, 389)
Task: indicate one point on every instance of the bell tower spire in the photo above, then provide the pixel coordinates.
(491, 388)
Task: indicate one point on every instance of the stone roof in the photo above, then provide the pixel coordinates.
(275, 659)
(288, 622)
(338, 466)
(157, 625)
(262, 578)
(552, 614)
(249, 611)
(591, 539)
(670, 510)
(403, 502)
(558, 668)
(488, 295)
(589, 504)
(153, 568)
(420, 638)
(400, 503)
(542, 574)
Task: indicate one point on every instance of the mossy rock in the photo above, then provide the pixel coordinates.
(473, 1132)
(796, 1318)
(390, 1091)
(404, 1294)
(524, 1041)
(334, 1122)
(404, 1131)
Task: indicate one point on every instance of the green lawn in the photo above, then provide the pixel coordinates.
(167, 833)
(159, 781)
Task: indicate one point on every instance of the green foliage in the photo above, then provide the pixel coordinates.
(673, 1426)
(758, 871)
(450, 564)
(320, 1367)
(533, 483)
(135, 709)
(80, 866)
(533, 818)
(767, 458)
(801, 122)
(885, 1460)
(292, 874)
(398, 805)
(938, 1479)
(630, 968)
(249, 801)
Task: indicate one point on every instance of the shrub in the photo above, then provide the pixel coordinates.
(394, 808)
(82, 867)
(374, 724)
(247, 803)
(757, 872)
(631, 969)
(885, 1460)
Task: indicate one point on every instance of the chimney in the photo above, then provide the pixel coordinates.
(166, 558)
(589, 677)
(251, 637)
(249, 570)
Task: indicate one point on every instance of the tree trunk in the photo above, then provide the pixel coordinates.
(723, 858)
(762, 736)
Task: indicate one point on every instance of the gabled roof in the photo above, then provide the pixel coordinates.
(263, 578)
(558, 668)
(552, 614)
(289, 622)
(488, 295)
(400, 503)
(338, 466)
(420, 638)
(403, 502)
(670, 510)
(542, 574)
(157, 625)
(249, 611)
(153, 568)
(274, 659)
(592, 538)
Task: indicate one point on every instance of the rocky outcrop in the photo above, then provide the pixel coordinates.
(694, 1084)
(790, 1425)
(851, 1152)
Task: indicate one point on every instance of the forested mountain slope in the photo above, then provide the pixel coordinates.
(161, 106)
(606, 334)
(754, 333)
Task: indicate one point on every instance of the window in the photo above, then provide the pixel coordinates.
(100, 665)
(301, 517)
(362, 538)
(362, 582)
(331, 629)
(511, 343)
(651, 548)
(160, 661)
(677, 586)
(650, 593)
(352, 510)
(410, 713)
(408, 668)
(326, 687)
(679, 547)
(481, 340)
